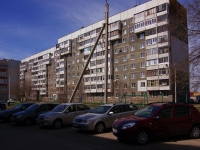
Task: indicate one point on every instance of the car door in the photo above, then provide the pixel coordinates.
(42, 108)
(182, 119)
(113, 116)
(81, 109)
(70, 113)
(163, 123)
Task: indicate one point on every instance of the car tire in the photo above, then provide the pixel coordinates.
(100, 127)
(195, 132)
(141, 137)
(57, 124)
(28, 121)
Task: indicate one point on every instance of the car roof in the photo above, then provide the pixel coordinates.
(70, 103)
(168, 104)
(114, 104)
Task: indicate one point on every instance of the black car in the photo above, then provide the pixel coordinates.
(29, 115)
(5, 115)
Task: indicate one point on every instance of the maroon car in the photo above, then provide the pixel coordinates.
(159, 120)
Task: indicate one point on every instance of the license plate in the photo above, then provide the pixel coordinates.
(114, 130)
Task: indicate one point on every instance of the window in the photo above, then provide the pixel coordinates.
(162, 28)
(142, 75)
(139, 15)
(124, 58)
(152, 51)
(124, 40)
(116, 60)
(133, 85)
(151, 83)
(133, 66)
(163, 50)
(133, 94)
(151, 73)
(116, 43)
(125, 85)
(151, 41)
(150, 11)
(125, 76)
(141, 45)
(131, 29)
(132, 47)
(142, 84)
(161, 7)
(125, 67)
(152, 62)
(141, 36)
(142, 55)
(133, 57)
(77, 60)
(124, 49)
(150, 31)
(133, 75)
(142, 65)
(182, 111)
(163, 60)
(116, 68)
(165, 113)
(153, 93)
(124, 23)
(162, 18)
(77, 53)
(124, 31)
(132, 38)
(131, 20)
(162, 39)
(73, 82)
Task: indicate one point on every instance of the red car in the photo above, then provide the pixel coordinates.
(159, 120)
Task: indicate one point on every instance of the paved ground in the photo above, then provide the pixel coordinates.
(14, 137)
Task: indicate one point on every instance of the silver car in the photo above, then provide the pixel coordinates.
(62, 114)
(103, 117)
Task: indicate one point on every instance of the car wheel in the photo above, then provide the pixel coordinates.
(195, 132)
(57, 124)
(99, 128)
(28, 121)
(141, 137)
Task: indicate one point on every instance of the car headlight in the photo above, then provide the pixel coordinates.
(86, 121)
(46, 117)
(19, 116)
(128, 125)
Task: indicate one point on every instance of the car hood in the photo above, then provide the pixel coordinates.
(24, 112)
(8, 110)
(88, 115)
(129, 119)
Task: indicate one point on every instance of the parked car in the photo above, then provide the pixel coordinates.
(103, 116)
(5, 115)
(29, 115)
(159, 120)
(62, 114)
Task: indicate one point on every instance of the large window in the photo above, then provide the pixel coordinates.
(152, 62)
(163, 60)
(161, 7)
(152, 51)
(151, 83)
(162, 39)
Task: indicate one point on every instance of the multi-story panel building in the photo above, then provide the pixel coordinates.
(9, 79)
(143, 44)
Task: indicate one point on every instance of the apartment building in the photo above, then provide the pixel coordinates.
(9, 79)
(144, 44)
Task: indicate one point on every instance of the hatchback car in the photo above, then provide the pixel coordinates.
(159, 120)
(5, 115)
(29, 115)
(62, 114)
(103, 117)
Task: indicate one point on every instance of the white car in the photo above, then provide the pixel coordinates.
(62, 114)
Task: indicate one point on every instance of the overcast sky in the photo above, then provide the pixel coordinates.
(31, 26)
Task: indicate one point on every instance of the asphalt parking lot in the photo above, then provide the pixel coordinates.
(17, 137)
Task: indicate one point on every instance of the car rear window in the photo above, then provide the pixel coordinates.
(182, 111)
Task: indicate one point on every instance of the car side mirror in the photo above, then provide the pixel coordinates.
(157, 117)
(110, 113)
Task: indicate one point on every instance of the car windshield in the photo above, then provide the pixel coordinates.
(147, 112)
(32, 107)
(60, 108)
(101, 109)
(18, 106)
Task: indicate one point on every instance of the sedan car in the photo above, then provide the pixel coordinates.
(29, 115)
(5, 115)
(159, 120)
(103, 117)
(62, 114)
